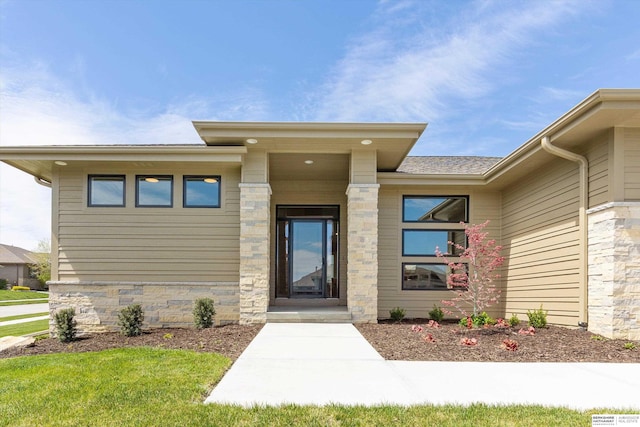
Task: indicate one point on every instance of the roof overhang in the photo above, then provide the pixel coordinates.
(603, 110)
(40, 161)
(392, 141)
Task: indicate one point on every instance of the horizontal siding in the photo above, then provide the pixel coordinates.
(597, 154)
(632, 164)
(541, 242)
(148, 244)
(482, 206)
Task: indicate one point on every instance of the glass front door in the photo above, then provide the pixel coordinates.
(307, 249)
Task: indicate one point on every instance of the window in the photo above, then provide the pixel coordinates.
(106, 190)
(424, 242)
(426, 276)
(434, 209)
(154, 191)
(434, 222)
(201, 191)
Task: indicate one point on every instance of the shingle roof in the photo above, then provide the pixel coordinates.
(15, 255)
(444, 165)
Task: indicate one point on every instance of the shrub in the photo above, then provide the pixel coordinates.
(537, 318)
(4, 284)
(130, 320)
(509, 345)
(65, 324)
(477, 320)
(436, 314)
(629, 346)
(397, 314)
(203, 313)
(514, 321)
(20, 288)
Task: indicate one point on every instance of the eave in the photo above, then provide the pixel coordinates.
(40, 161)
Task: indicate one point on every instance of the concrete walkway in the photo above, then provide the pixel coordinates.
(319, 364)
(16, 310)
(28, 319)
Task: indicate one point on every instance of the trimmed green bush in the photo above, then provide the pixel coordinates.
(514, 320)
(537, 318)
(436, 314)
(130, 320)
(4, 284)
(203, 313)
(397, 314)
(65, 324)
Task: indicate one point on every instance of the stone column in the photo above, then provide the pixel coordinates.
(614, 270)
(362, 252)
(254, 252)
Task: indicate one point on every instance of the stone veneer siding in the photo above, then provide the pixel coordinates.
(97, 304)
(362, 252)
(254, 252)
(614, 270)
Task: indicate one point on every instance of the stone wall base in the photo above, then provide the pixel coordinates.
(614, 270)
(97, 304)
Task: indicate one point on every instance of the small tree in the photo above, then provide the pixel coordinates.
(474, 286)
(42, 267)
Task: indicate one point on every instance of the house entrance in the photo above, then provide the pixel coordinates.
(307, 251)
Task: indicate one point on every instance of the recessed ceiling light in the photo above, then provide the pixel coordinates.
(308, 162)
(366, 142)
(60, 163)
(252, 141)
(211, 180)
(151, 179)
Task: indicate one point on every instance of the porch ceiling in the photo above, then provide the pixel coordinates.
(325, 167)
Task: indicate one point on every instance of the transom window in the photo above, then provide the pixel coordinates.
(424, 242)
(201, 191)
(154, 191)
(434, 209)
(107, 190)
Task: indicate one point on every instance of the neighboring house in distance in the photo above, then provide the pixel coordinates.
(264, 217)
(15, 266)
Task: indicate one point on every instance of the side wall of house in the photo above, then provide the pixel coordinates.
(483, 205)
(540, 235)
(162, 258)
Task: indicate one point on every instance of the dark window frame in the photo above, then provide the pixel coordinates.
(187, 178)
(430, 230)
(160, 177)
(433, 196)
(90, 181)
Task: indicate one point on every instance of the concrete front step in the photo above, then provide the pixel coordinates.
(308, 315)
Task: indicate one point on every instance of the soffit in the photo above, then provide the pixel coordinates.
(325, 167)
(392, 141)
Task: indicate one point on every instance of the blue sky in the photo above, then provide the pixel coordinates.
(486, 75)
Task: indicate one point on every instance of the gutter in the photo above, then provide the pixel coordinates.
(582, 219)
(42, 181)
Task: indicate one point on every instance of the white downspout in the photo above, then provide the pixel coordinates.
(582, 220)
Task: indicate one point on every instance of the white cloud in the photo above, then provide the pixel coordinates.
(387, 76)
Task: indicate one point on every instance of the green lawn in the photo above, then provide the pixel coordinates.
(13, 295)
(153, 387)
(23, 316)
(20, 329)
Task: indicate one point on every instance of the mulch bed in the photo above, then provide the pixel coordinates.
(397, 341)
(228, 340)
(394, 341)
